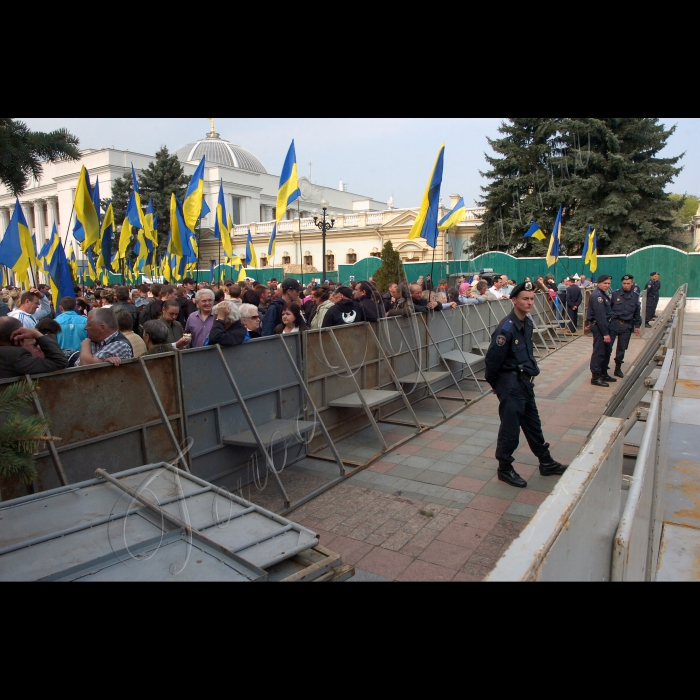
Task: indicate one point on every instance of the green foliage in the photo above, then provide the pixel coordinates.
(604, 171)
(391, 270)
(22, 152)
(20, 435)
(688, 207)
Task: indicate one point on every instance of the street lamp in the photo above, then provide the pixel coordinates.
(325, 227)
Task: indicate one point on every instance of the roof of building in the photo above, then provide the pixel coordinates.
(222, 152)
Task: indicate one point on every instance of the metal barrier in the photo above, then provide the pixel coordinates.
(578, 533)
(107, 417)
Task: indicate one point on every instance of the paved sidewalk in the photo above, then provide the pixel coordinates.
(433, 509)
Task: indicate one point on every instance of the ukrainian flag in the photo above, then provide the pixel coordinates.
(17, 247)
(72, 262)
(60, 278)
(150, 222)
(192, 207)
(590, 249)
(43, 256)
(456, 216)
(535, 232)
(288, 192)
(221, 230)
(426, 223)
(87, 227)
(554, 243)
(96, 200)
(134, 212)
(182, 240)
(106, 236)
(125, 236)
(250, 257)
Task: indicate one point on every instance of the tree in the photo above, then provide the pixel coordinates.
(158, 181)
(20, 435)
(605, 172)
(688, 207)
(23, 151)
(391, 270)
(122, 188)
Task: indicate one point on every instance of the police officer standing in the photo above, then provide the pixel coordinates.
(511, 370)
(653, 289)
(598, 316)
(626, 317)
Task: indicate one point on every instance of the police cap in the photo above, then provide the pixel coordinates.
(604, 278)
(628, 278)
(524, 287)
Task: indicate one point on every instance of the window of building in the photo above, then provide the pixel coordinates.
(330, 263)
(286, 260)
(375, 255)
(352, 258)
(236, 211)
(309, 260)
(263, 261)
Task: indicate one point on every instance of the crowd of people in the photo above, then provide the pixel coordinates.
(112, 324)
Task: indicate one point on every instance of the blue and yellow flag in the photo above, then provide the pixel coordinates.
(96, 200)
(17, 247)
(192, 206)
(61, 279)
(182, 243)
(106, 237)
(221, 229)
(43, 256)
(456, 216)
(87, 226)
(150, 224)
(72, 262)
(288, 192)
(125, 237)
(251, 259)
(134, 212)
(554, 243)
(426, 223)
(535, 232)
(590, 249)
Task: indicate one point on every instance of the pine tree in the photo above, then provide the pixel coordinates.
(605, 172)
(391, 270)
(20, 435)
(158, 181)
(22, 152)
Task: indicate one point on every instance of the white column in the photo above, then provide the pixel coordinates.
(39, 223)
(53, 211)
(4, 219)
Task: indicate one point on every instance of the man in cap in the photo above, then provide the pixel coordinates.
(291, 289)
(653, 289)
(574, 297)
(511, 369)
(598, 316)
(625, 318)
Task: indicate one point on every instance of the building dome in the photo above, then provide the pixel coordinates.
(222, 152)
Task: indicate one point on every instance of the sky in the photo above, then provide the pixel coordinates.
(377, 158)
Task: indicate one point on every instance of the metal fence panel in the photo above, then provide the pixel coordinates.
(106, 416)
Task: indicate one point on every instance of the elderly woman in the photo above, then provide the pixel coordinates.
(250, 318)
(227, 331)
(200, 323)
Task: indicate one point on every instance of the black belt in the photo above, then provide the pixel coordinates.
(523, 377)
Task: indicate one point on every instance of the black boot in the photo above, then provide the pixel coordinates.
(618, 371)
(607, 378)
(598, 381)
(511, 477)
(548, 467)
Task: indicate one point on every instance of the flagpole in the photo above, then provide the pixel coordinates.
(301, 247)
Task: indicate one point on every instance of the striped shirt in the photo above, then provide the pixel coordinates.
(27, 320)
(114, 346)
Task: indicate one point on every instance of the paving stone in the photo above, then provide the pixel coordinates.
(366, 577)
(468, 449)
(581, 433)
(481, 442)
(485, 463)
(385, 563)
(526, 458)
(480, 473)
(430, 476)
(461, 497)
(432, 454)
(522, 509)
(500, 490)
(432, 490)
(446, 554)
(421, 462)
(423, 571)
(403, 471)
(462, 431)
(462, 483)
(542, 483)
(393, 457)
(458, 458)
(448, 467)
(490, 504)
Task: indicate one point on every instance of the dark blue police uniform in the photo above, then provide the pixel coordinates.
(626, 317)
(653, 293)
(510, 370)
(598, 315)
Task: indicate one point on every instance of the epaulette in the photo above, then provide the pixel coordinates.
(508, 326)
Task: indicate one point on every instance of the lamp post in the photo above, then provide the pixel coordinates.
(325, 226)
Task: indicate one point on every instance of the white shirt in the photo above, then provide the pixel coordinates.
(498, 293)
(27, 320)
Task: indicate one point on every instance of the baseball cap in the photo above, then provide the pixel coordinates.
(291, 284)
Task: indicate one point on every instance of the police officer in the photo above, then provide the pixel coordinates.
(653, 289)
(598, 316)
(511, 370)
(626, 317)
